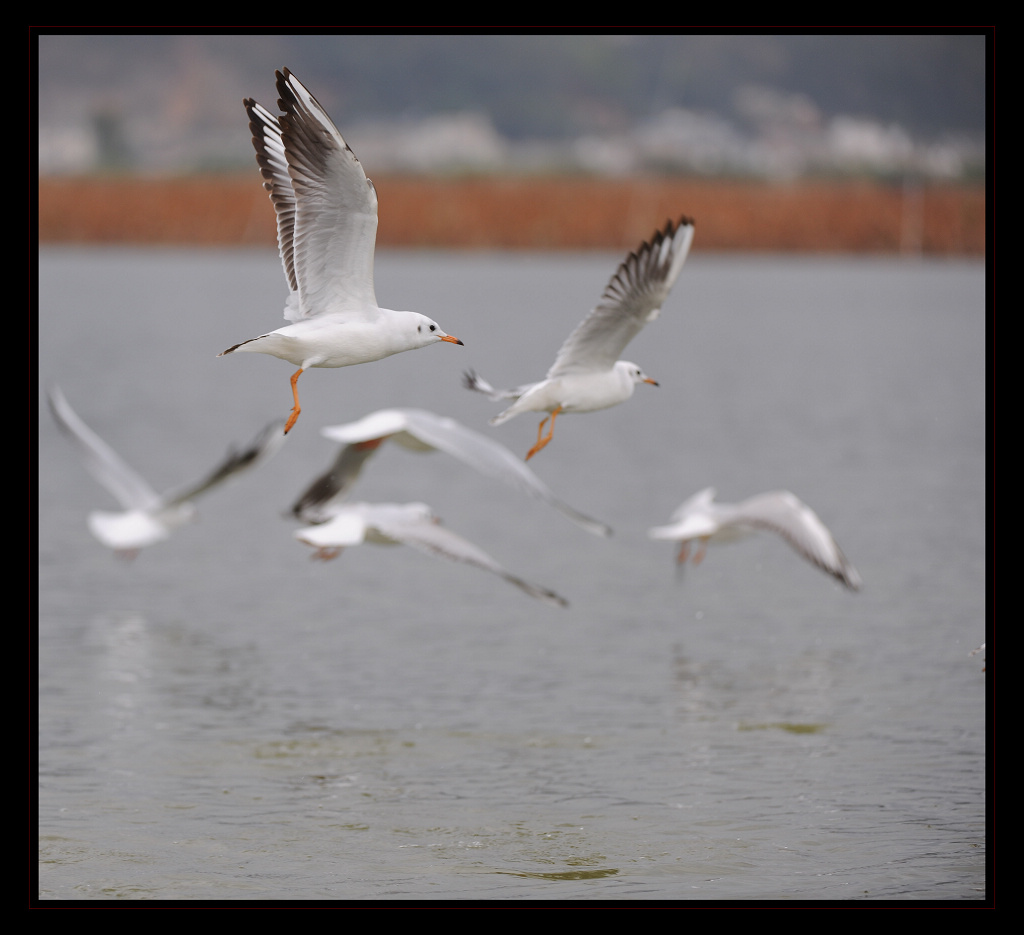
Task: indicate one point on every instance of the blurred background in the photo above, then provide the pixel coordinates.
(826, 143)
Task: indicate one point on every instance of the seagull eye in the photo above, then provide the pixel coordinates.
(433, 327)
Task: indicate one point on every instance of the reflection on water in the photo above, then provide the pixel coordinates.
(223, 718)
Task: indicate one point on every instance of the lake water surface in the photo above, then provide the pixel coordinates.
(223, 718)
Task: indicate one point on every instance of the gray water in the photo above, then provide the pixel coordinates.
(223, 718)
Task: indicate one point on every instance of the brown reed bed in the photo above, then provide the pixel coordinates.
(536, 213)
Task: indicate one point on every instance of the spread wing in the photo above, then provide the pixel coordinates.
(317, 501)
(326, 207)
(788, 516)
(414, 525)
(632, 298)
(106, 465)
(421, 430)
(426, 534)
(263, 447)
(490, 458)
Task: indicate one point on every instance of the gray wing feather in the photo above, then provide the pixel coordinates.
(314, 504)
(788, 516)
(106, 465)
(263, 447)
(326, 207)
(434, 539)
(632, 298)
(492, 459)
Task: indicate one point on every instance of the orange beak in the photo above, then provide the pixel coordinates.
(452, 340)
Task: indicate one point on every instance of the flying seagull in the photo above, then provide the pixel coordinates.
(326, 230)
(780, 512)
(412, 524)
(587, 374)
(147, 516)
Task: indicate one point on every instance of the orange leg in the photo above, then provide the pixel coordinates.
(684, 552)
(326, 552)
(295, 395)
(699, 557)
(540, 431)
(541, 442)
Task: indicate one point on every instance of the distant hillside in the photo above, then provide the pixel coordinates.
(758, 105)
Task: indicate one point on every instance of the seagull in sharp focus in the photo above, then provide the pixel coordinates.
(412, 524)
(423, 431)
(781, 512)
(326, 231)
(147, 516)
(587, 374)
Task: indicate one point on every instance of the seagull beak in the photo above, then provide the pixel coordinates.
(452, 340)
(649, 380)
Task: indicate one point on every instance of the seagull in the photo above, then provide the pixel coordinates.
(412, 524)
(700, 517)
(423, 431)
(586, 374)
(326, 229)
(147, 516)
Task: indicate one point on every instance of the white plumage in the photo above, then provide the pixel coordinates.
(780, 512)
(423, 431)
(587, 374)
(411, 524)
(148, 517)
(326, 231)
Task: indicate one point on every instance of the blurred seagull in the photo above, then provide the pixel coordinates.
(326, 229)
(412, 524)
(700, 517)
(422, 431)
(586, 374)
(148, 517)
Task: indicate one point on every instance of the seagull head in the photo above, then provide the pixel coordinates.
(633, 372)
(429, 332)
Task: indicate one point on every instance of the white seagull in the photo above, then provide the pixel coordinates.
(147, 516)
(587, 374)
(423, 431)
(326, 230)
(412, 524)
(781, 512)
